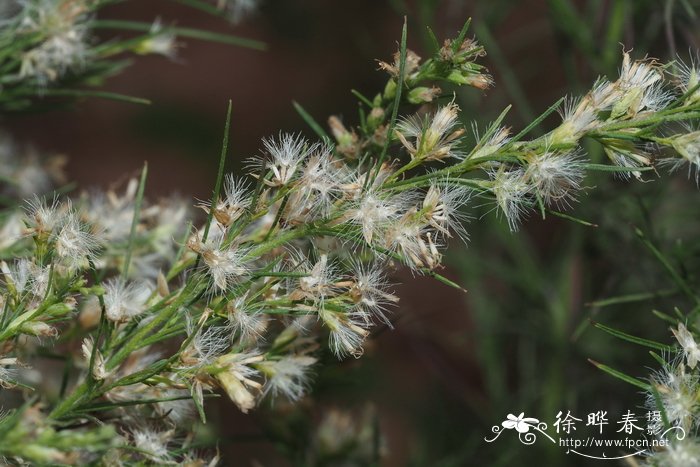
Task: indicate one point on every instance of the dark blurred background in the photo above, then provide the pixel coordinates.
(457, 363)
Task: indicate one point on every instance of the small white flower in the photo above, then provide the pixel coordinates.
(12, 230)
(690, 348)
(161, 41)
(678, 392)
(604, 95)
(250, 323)
(288, 376)
(283, 158)
(179, 411)
(511, 192)
(347, 333)
(224, 263)
(578, 118)
(689, 77)
(555, 176)
(207, 344)
(687, 145)
(45, 218)
(125, 301)
(626, 154)
(434, 138)
(412, 240)
(236, 377)
(374, 212)
(484, 149)
(233, 203)
(679, 453)
(74, 242)
(7, 373)
(318, 281)
(153, 444)
(369, 291)
(640, 88)
(99, 372)
(63, 26)
(113, 214)
(443, 208)
(318, 187)
(19, 275)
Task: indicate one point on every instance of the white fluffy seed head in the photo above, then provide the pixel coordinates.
(691, 349)
(249, 322)
(63, 26)
(288, 376)
(225, 264)
(124, 301)
(153, 444)
(74, 242)
(369, 291)
(679, 453)
(432, 138)
(282, 158)
(555, 176)
(512, 194)
(678, 392)
(347, 332)
(443, 208)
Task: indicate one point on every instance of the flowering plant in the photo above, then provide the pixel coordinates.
(159, 309)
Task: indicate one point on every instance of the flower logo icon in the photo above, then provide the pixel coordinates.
(520, 423)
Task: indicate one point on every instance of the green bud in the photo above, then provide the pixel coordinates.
(390, 89)
(94, 290)
(60, 309)
(38, 328)
(628, 105)
(422, 94)
(376, 117)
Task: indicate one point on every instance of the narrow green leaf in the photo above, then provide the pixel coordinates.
(227, 39)
(362, 98)
(462, 35)
(667, 265)
(689, 9)
(658, 358)
(493, 127)
(140, 376)
(220, 172)
(443, 279)
(618, 374)
(397, 102)
(198, 404)
(631, 338)
(182, 32)
(135, 221)
(571, 218)
(78, 93)
(131, 403)
(202, 6)
(665, 317)
(318, 129)
(433, 40)
(615, 168)
(538, 120)
(631, 298)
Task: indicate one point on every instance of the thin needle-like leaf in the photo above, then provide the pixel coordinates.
(135, 221)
